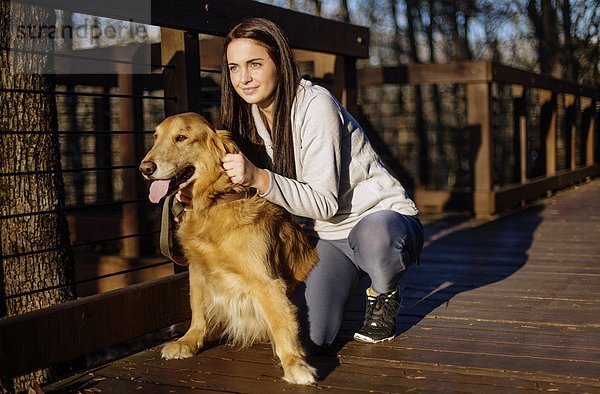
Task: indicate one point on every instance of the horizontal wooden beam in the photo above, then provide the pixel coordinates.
(506, 74)
(373, 76)
(65, 332)
(469, 72)
(423, 74)
(217, 17)
(149, 81)
(455, 72)
(511, 196)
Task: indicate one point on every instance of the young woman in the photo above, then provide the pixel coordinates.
(303, 151)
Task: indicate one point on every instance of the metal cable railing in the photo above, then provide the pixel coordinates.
(79, 245)
(88, 94)
(79, 109)
(87, 280)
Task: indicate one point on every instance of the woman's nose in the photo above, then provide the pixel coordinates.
(246, 77)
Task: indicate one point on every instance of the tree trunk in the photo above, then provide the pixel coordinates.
(35, 248)
(570, 63)
(345, 11)
(441, 165)
(546, 30)
(317, 4)
(397, 44)
(459, 30)
(424, 162)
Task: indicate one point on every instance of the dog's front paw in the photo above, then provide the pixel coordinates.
(177, 350)
(299, 372)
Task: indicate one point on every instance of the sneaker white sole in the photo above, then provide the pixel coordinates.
(363, 338)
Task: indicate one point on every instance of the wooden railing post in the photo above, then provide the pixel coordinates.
(350, 92)
(180, 52)
(588, 133)
(345, 83)
(104, 181)
(548, 118)
(134, 218)
(570, 130)
(479, 115)
(520, 131)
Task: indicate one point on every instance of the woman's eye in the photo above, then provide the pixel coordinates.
(233, 69)
(255, 64)
(181, 137)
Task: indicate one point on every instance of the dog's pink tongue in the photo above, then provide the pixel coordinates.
(158, 189)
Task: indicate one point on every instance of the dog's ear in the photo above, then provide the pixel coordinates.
(224, 138)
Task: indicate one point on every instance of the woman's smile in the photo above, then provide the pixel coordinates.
(249, 90)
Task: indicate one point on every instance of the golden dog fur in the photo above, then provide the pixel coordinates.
(245, 256)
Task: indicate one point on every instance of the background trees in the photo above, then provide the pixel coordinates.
(557, 37)
(426, 124)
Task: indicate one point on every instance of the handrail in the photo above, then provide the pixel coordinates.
(465, 72)
(64, 332)
(107, 319)
(478, 76)
(216, 17)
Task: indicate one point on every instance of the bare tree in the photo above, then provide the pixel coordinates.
(460, 14)
(435, 93)
(398, 33)
(345, 11)
(411, 13)
(569, 61)
(585, 31)
(37, 264)
(317, 5)
(545, 24)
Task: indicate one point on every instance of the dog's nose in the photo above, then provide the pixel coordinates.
(147, 168)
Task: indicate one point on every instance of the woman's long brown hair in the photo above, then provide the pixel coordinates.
(236, 114)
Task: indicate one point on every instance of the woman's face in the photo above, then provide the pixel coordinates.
(252, 72)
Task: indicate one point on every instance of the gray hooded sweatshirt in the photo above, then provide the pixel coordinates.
(340, 178)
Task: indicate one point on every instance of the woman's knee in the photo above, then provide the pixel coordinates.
(382, 233)
(385, 243)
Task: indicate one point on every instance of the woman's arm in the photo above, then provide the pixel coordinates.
(319, 152)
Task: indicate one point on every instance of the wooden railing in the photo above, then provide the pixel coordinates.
(478, 76)
(65, 332)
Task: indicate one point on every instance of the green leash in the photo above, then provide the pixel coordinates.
(169, 246)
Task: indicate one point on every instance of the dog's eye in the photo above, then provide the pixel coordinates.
(181, 137)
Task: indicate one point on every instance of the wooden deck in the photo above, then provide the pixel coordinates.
(495, 306)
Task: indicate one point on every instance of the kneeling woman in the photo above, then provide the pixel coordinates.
(303, 151)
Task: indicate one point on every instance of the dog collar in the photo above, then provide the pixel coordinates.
(234, 196)
(169, 246)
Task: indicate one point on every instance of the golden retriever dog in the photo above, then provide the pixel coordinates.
(245, 255)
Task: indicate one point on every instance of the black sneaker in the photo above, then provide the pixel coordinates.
(380, 318)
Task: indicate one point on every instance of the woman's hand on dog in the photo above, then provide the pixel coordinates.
(240, 170)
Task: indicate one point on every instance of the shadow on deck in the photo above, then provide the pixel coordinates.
(495, 306)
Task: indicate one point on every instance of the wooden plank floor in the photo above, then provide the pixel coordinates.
(511, 304)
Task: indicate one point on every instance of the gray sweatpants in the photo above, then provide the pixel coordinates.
(383, 245)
